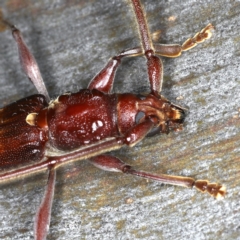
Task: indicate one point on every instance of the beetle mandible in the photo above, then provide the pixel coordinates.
(92, 121)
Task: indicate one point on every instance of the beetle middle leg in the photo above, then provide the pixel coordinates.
(43, 215)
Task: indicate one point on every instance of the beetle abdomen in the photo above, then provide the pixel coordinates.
(20, 142)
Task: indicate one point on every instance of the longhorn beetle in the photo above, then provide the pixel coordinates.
(40, 133)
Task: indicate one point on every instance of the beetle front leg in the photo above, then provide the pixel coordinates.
(154, 64)
(28, 62)
(103, 81)
(137, 133)
(175, 50)
(113, 164)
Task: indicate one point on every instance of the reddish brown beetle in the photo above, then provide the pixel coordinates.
(41, 134)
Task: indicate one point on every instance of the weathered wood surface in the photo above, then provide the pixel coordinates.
(72, 41)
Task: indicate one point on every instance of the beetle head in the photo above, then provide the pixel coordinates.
(165, 115)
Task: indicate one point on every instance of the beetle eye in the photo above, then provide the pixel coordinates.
(139, 116)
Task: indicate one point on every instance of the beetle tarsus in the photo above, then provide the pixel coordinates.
(199, 37)
(214, 189)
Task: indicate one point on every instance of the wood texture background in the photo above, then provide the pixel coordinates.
(72, 41)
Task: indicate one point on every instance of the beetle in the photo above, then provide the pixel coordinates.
(90, 122)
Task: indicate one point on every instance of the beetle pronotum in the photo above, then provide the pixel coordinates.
(94, 118)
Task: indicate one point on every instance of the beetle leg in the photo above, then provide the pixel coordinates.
(113, 164)
(175, 50)
(154, 64)
(199, 37)
(89, 151)
(138, 132)
(43, 215)
(103, 81)
(28, 62)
